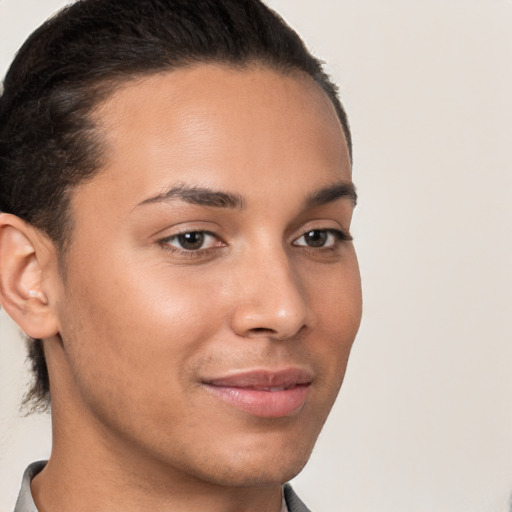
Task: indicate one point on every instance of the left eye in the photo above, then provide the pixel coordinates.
(318, 238)
(192, 241)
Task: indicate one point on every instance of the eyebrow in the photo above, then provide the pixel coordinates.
(338, 190)
(202, 196)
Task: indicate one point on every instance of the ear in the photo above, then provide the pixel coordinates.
(25, 292)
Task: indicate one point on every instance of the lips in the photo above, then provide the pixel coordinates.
(264, 393)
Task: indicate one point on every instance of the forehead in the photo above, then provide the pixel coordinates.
(217, 126)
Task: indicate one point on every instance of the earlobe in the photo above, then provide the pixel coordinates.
(23, 293)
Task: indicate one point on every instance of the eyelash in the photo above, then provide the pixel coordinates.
(338, 236)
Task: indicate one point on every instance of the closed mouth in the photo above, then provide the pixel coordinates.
(262, 392)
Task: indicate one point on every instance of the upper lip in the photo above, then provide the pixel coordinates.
(263, 378)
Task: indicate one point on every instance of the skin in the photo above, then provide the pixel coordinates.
(136, 323)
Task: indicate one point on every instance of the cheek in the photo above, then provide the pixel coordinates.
(337, 300)
(334, 293)
(130, 334)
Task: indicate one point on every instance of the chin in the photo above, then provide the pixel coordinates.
(266, 476)
(260, 467)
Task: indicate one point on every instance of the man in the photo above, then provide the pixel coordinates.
(175, 182)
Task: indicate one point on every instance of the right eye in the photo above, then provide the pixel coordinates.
(192, 241)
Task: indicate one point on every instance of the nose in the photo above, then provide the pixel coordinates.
(270, 299)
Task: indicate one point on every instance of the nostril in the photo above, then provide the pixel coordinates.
(262, 330)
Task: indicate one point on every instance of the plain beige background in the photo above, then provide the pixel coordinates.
(424, 420)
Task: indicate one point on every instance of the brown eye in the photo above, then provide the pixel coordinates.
(321, 238)
(192, 241)
(316, 238)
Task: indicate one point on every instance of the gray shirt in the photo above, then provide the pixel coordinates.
(25, 503)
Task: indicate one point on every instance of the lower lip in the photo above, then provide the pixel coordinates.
(266, 404)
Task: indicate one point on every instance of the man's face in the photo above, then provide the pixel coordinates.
(210, 299)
